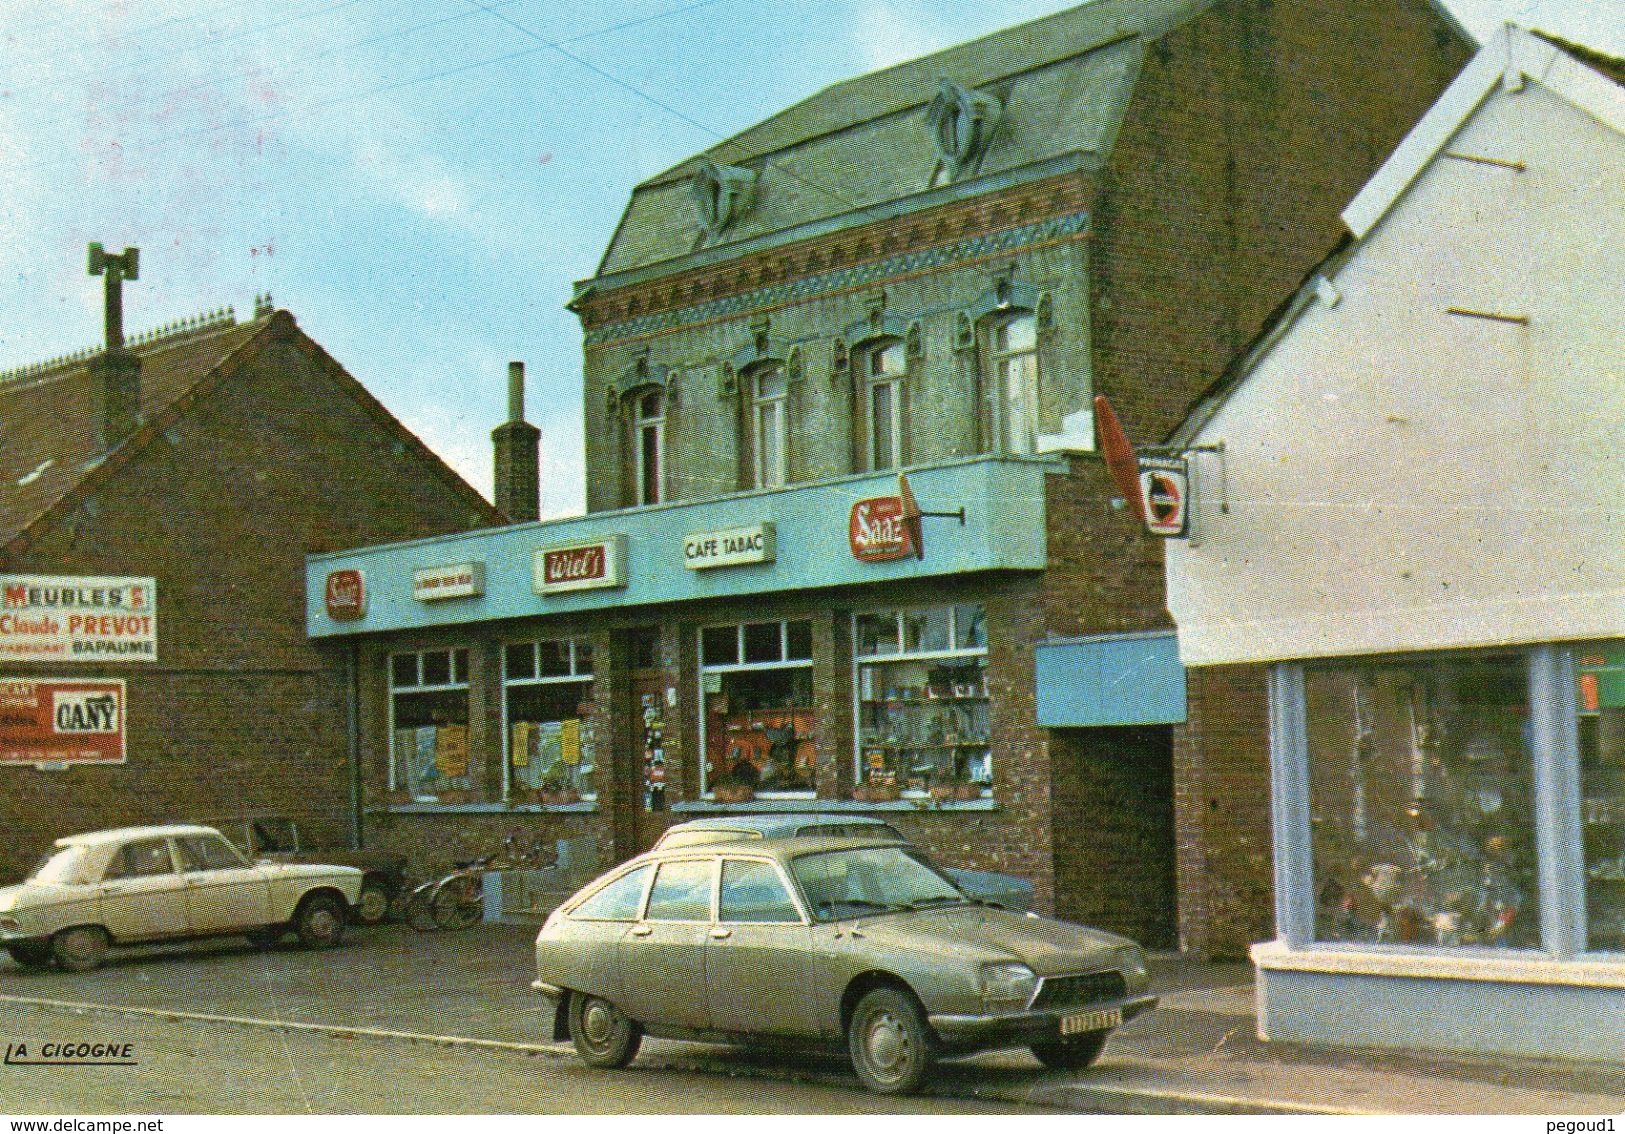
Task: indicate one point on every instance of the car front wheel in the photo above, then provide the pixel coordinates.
(890, 1043)
(80, 949)
(320, 922)
(602, 1033)
(1073, 1054)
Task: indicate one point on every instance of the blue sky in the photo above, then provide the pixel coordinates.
(420, 184)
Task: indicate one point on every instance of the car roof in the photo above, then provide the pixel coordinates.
(782, 849)
(768, 824)
(120, 834)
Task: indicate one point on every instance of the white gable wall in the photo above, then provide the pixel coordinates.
(1397, 478)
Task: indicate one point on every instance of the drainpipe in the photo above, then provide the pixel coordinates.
(352, 736)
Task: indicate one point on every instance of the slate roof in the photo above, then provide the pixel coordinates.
(1065, 81)
(48, 443)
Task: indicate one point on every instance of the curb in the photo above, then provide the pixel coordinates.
(1103, 1099)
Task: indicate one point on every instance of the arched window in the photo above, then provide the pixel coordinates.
(648, 446)
(1012, 381)
(769, 397)
(882, 371)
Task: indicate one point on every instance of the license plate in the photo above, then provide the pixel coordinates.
(1079, 1022)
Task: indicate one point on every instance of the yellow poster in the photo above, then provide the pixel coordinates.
(570, 742)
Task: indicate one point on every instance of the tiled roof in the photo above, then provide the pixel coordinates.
(1065, 81)
(48, 434)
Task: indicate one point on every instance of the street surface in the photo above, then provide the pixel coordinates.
(186, 1067)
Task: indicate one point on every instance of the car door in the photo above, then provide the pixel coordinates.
(661, 958)
(759, 955)
(224, 893)
(141, 893)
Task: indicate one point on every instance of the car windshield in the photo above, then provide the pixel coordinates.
(62, 866)
(870, 880)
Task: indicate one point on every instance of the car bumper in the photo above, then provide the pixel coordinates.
(1042, 1026)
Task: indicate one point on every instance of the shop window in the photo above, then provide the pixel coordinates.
(547, 692)
(428, 703)
(759, 729)
(1601, 702)
(1420, 795)
(923, 712)
(1011, 383)
(882, 373)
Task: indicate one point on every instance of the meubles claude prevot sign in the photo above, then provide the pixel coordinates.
(730, 547)
(78, 618)
(61, 721)
(580, 566)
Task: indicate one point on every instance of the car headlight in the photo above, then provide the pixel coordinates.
(1008, 983)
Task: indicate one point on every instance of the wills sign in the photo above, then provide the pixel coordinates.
(580, 566)
(877, 530)
(66, 721)
(78, 618)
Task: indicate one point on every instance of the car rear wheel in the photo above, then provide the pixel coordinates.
(373, 904)
(890, 1043)
(30, 954)
(320, 922)
(602, 1033)
(80, 949)
(1072, 1054)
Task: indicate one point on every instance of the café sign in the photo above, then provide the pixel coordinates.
(731, 547)
(346, 595)
(61, 721)
(878, 530)
(78, 618)
(453, 581)
(580, 566)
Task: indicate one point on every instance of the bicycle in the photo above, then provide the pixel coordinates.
(452, 901)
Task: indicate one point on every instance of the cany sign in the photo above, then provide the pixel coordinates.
(67, 721)
(580, 566)
(78, 618)
(877, 530)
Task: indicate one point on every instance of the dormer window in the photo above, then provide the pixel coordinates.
(962, 123)
(722, 194)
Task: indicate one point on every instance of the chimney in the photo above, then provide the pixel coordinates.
(516, 449)
(116, 373)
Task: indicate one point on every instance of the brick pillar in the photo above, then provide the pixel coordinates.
(516, 453)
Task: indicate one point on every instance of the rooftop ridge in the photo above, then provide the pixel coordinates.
(215, 320)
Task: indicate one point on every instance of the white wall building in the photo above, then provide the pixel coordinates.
(1410, 500)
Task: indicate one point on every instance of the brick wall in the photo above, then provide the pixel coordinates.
(241, 714)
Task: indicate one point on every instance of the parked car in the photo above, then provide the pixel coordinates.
(104, 889)
(854, 941)
(1004, 889)
(278, 838)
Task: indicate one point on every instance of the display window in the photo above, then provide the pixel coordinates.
(546, 696)
(428, 711)
(922, 712)
(1421, 802)
(759, 728)
(1601, 727)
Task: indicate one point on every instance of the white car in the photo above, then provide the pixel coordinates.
(104, 889)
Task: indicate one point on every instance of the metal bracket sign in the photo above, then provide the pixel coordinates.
(1165, 494)
(60, 721)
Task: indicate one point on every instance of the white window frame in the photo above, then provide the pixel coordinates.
(772, 408)
(873, 379)
(1016, 420)
(742, 666)
(452, 687)
(649, 491)
(575, 677)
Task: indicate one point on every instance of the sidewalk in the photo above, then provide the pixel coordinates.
(1198, 1054)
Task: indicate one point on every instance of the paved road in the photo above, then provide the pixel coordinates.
(186, 1067)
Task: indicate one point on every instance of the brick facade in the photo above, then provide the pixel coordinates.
(241, 714)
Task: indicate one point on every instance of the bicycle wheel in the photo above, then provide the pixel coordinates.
(458, 903)
(419, 908)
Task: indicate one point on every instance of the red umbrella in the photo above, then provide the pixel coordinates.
(1120, 459)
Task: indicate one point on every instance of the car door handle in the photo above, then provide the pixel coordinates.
(642, 930)
(720, 933)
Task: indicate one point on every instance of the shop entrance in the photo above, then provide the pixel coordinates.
(1113, 830)
(644, 753)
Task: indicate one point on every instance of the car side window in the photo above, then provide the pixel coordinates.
(682, 891)
(145, 859)
(752, 891)
(208, 852)
(619, 901)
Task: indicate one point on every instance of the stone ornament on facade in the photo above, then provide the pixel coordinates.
(722, 194)
(962, 125)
